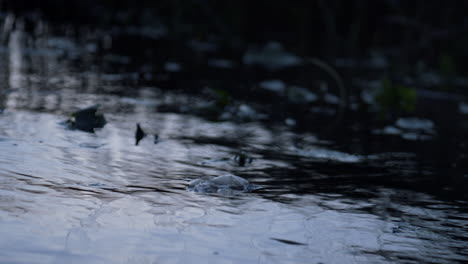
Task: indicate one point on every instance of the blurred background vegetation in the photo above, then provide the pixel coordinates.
(395, 58)
(433, 31)
(404, 45)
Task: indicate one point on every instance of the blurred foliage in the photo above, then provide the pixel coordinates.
(447, 69)
(313, 28)
(447, 65)
(395, 98)
(222, 97)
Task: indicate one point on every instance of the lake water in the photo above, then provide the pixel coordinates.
(68, 196)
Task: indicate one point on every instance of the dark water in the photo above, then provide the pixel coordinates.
(68, 196)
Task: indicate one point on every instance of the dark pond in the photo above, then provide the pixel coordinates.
(362, 194)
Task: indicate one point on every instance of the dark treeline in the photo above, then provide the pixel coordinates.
(318, 28)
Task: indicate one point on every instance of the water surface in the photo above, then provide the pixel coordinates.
(68, 196)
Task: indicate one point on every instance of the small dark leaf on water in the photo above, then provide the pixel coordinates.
(139, 134)
(91, 145)
(87, 119)
(289, 242)
(242, 159)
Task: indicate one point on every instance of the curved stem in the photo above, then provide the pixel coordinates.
(339, 82)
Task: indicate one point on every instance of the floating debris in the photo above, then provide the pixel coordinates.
(289, 242)
(301, 95)
(410, 128)
(391, 130)
(416, 136)
(242, 159)
(413, 123)
(290, 122)
(276, 86)
(272, 56)
(392, 156)
(221, 63)
(87, 119)
(172, 67)
(139, 134)
(242, 113)
(201, 46)
(91, 145)
(331, 98)
(462, 107)
(329, 155)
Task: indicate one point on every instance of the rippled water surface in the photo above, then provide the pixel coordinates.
(68, 196)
